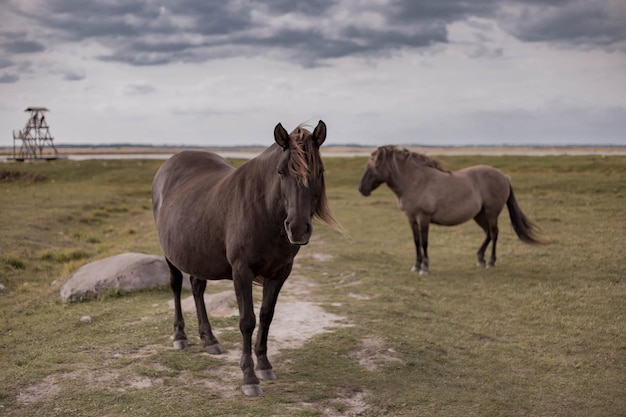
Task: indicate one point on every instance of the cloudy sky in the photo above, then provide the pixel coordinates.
(224, 72)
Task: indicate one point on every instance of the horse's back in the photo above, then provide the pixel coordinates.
(183, 170)
(490, 182)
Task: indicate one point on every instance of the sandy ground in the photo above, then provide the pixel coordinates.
(292, 325)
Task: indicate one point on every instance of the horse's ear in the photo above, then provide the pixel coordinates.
(281, 136)
(319, 134)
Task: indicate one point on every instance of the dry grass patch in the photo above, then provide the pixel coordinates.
(541, 334)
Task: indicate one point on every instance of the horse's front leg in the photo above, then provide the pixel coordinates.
(420, 227)
(242, 280)
(418, 245)
(424, 226)
(271, 288)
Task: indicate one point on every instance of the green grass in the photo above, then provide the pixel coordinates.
(541, 334)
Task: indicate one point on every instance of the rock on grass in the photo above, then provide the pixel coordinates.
(121, 273)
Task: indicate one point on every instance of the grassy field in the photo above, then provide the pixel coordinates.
(542, 334)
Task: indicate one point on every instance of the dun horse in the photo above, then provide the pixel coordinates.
(247, 224)
(427, 194)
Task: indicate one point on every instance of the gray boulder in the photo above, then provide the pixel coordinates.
(121, 273)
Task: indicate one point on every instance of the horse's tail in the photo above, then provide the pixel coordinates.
(524, 228)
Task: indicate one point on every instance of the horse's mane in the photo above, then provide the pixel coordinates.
(305, 158)
(393, 153)
(306, 161)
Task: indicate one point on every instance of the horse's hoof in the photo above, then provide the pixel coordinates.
(180, 344)
(266, 374)
(414, 268)
(422, 272)
(214, 349)
(489, 266)
(480, 264)
(252, 390)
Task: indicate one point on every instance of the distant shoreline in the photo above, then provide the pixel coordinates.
(163, 152)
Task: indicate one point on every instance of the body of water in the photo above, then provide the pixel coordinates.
(364, 153)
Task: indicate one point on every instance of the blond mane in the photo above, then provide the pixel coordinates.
(306, 161)
(305, 158)
(391, 154)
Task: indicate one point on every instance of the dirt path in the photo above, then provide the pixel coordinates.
(292, 325)
(291, 328)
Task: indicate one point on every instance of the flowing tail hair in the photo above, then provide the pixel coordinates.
(524, 228)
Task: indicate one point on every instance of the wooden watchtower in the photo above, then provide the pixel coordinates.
(34, 141)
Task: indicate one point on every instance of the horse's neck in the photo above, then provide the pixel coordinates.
(260, 182)
(399, 178)
(409, 177)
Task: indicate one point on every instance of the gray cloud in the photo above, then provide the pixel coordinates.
(575, 22)
(310, 8)
(73, 75)
(312, 32)
(5, 63)
(79, 20)
(142, 33)
(22, 47)
(139, 89)
(411, 11)
(482, 51)
(9, 78)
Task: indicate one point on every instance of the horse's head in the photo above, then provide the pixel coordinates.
(375, 170)
(302, 186)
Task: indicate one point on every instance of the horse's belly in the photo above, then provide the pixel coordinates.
(207, 261)
(213, 268)
(455, 214)
(449, 220)
(210, 268)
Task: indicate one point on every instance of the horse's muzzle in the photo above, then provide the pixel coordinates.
(298, 233)
(364, 192)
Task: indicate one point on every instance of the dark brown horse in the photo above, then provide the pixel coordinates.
(427, 194)
(247, 224)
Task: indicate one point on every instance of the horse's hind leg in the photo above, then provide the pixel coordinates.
(204, 327)
(176, 283)
(493, 230)
(490, 227)
(484, 224)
